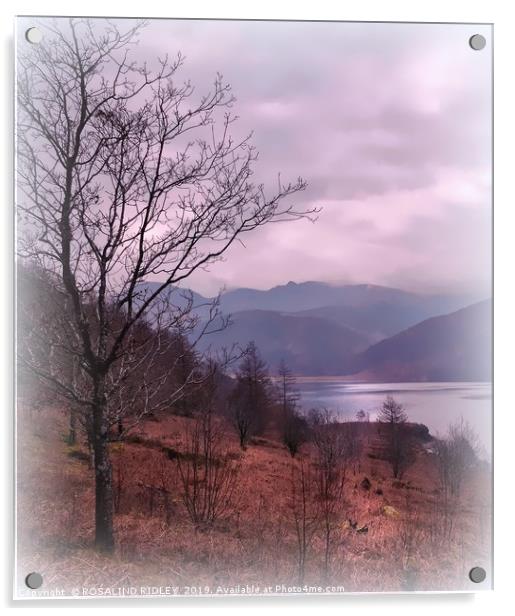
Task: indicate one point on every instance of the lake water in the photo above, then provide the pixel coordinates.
(434, 404)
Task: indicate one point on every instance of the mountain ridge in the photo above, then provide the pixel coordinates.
(307, 344)
(452, 347)
(344, 336)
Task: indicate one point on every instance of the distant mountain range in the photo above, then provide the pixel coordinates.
(453, 347)
(297, 297)
(309, 345)
(373, 332)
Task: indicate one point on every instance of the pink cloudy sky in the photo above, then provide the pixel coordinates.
(388, 123)
(390, 126)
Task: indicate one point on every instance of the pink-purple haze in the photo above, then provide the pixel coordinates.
(390, 125)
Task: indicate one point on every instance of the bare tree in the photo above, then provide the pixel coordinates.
(353, 437)
(410, 537)
(293, 426)
(125, 174)
(288, 395)
(362, 415)
(456, 457)
(305, 512)
(332, 453)
(251, 396)
(463, 446)
(188, 364)
(294, 431)
(397, 439)
(445, 505)
(331, 439)
(208, 474)
(242, 420)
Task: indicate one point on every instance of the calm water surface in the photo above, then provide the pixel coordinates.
(434, 404)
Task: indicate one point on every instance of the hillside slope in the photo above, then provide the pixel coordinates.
(453, 347)
(309, 345)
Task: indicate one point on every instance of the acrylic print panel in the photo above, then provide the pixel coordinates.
(243, 374)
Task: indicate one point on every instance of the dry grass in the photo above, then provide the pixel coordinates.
(404, 547)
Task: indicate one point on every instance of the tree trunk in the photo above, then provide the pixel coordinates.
(327, 546)
(104, 536)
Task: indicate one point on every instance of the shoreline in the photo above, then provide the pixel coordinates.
(354, 381)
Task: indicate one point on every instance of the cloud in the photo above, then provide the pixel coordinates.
(388, 123)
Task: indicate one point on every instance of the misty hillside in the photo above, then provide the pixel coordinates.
(375, 321)
(309, 345)
(297, 297)
(375, 332)
(453, 347)
(293, 297)
(376, 312)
